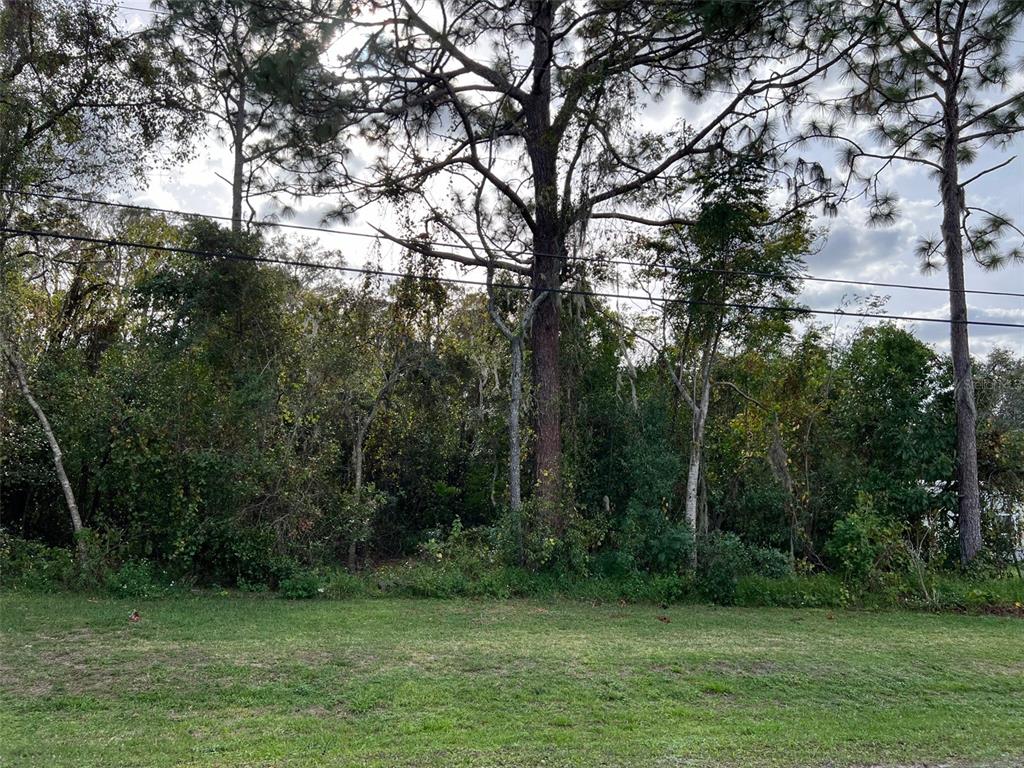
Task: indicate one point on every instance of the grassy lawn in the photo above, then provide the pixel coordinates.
(234, 681)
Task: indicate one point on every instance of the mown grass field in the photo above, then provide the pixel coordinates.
(236, 681)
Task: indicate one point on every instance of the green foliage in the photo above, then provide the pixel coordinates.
(723, 559)
(421, 579)
(301, 586)
(815, 591)
(894, 416)
(655, 543)
(863, 545)
(138, 578)
(953, 593)
(35, 566)
(208, 412)
(769, 563)
(342, 585)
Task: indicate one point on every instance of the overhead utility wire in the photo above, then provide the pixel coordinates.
(507, 252)
(464, 281)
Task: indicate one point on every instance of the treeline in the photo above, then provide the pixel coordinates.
(231, 420)
(227, 405)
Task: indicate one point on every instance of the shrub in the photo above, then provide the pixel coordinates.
(137, 578)
(862, 545)
(341, 585)
(301, 586)
(721, 561)
(958, 593)
(817, 591)
(653, 541)
(770, 563)
(35, 566)
(613, 563)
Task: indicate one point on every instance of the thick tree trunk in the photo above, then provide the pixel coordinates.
(58, 457)
(968, 497)
(547, 268)
(547, 397)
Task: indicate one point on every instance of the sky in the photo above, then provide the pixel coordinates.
(849, 249)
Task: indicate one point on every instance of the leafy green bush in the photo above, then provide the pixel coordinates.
(137, 578)
(770, 563)
(958, 593)
(653, 541)
(613, 563)
(723, 559)
(817, 591)
(34, 566)
(342, 585)
(863, 545)
(301, 586)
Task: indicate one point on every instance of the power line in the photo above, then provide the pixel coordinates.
(463, 281)
(412, 246)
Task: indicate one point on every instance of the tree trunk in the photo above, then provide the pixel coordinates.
(515, 445)
(547, 396)
(51, 438)
(357, 489)
(238, 163)
(968, 497)
(700, 415)
(692, 484)
(547, 268)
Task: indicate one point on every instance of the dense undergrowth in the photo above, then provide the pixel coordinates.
(728, 573)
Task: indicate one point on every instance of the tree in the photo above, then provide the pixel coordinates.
(525, 111)
(514, 332)
(935, 84)
(719, 271)
(18, 367)
(83, 104)
(225, 47)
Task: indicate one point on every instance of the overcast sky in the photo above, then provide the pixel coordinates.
(851, 249)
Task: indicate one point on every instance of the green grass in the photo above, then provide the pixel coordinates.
(236, 681)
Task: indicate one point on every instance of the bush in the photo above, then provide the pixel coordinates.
(958, 593)
(137, 578)
(770, 563)
(723, 559)
(653, 541)
(862, 545)
(817, 591)
(613, 563)
(34, 566)
(301, 586)
(342, 585)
